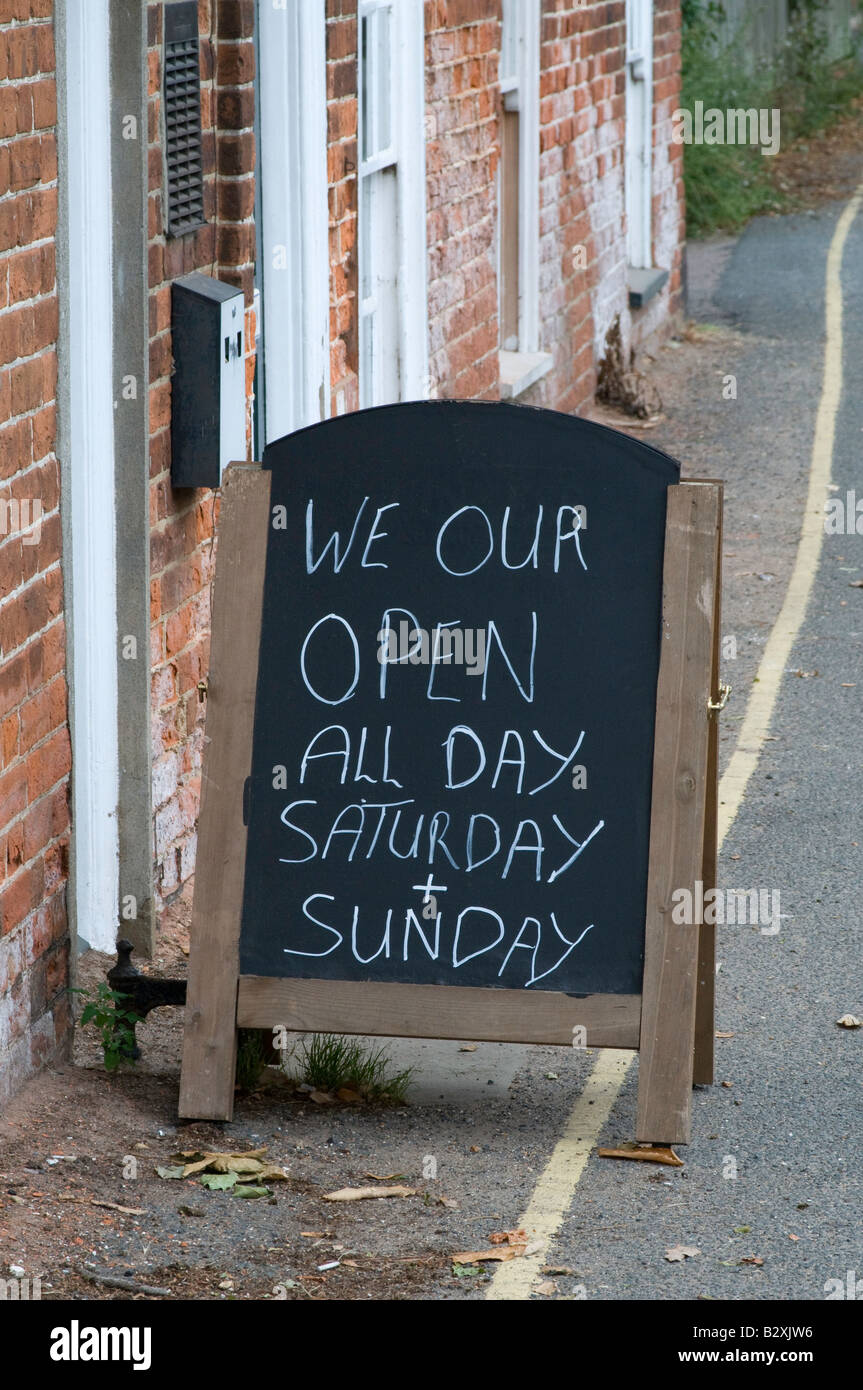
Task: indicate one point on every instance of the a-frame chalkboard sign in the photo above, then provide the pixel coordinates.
(460, 746)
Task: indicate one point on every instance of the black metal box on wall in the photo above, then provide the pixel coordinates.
(208, 387)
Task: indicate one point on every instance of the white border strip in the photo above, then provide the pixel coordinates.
(91, 535)
(294, 237)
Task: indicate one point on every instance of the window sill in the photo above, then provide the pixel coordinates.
(644, 284)
(519, 370)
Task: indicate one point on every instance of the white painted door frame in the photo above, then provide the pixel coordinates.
(87, 453)
(294, 243)
(404, 153)
(520, 92)
(638, 158)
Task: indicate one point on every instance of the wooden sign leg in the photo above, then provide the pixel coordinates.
(705, 1012)
(210, 1041)
(680, 771)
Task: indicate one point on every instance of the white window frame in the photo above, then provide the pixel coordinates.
(520, 92)
(406, 154)
(294, 368)
(89, 490)
(638, 157)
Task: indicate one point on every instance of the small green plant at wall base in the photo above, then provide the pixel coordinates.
(115, 1023)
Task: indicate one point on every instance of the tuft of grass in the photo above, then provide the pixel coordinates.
(252, 1056)
(330, 1062)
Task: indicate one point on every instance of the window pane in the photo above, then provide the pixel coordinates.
(365, 25)
(376, 81)
(509, 41)
(366, 249)
(509, 190)
(383, 41)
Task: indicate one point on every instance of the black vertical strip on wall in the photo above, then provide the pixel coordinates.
(182, 105)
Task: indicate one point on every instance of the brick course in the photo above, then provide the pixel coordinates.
(35, 755)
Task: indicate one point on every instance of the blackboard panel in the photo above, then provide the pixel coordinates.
(570, 653)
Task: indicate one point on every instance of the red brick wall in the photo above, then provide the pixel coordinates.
(342, 179)
(581, 172)
(462, 151)
(34, 737)
(581, 204)
(182, 521)
(581, 119)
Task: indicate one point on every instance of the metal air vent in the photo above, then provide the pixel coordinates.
(182, 105)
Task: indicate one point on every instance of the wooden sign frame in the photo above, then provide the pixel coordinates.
(670, 1023)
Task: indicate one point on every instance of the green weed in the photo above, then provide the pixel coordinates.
(330, 1062)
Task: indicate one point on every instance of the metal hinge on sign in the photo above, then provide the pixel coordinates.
(724, 693)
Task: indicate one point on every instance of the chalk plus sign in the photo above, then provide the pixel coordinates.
(426, 888)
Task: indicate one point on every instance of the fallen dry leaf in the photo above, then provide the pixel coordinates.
(359, 1194)
(546, 1288)
(352, 1097)
(725, 1035)
(855, 583)
(676, 1253)
(727, 1084)
(115, 1206)
(518, 1237)
(271, 1172)
(322, 1098)
(506, 1245)
(751, 1260)
(791, 1237)
(557, 1269)
(849, 1021)
(499, 1252)
(376, 1177)
(206, 1161)
(646, 1153)
(468, 1047)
